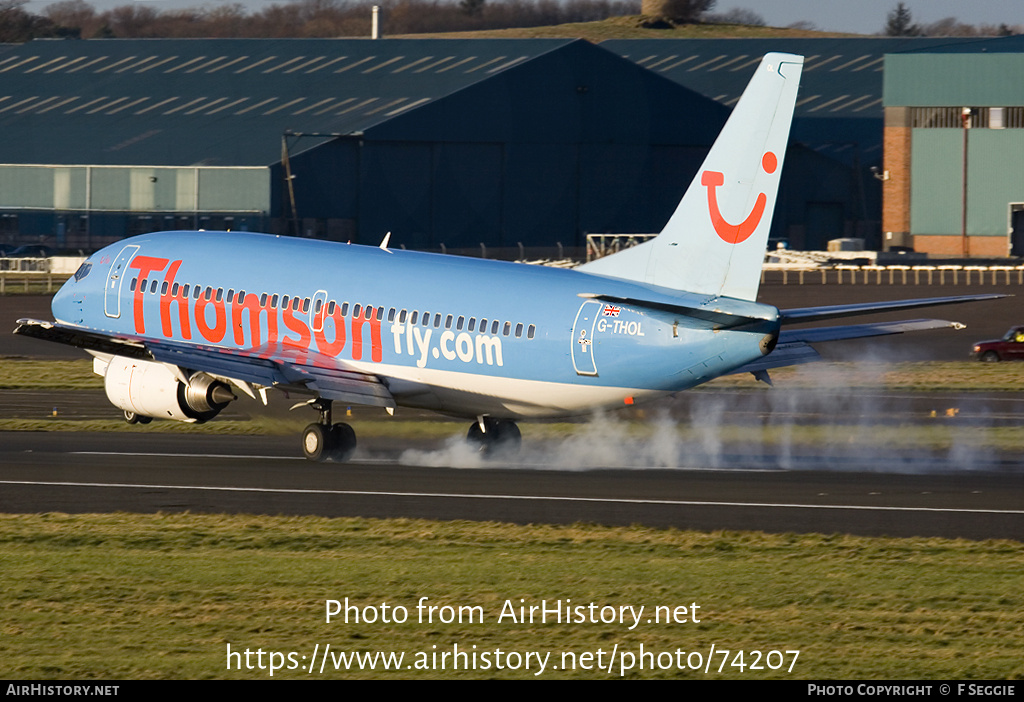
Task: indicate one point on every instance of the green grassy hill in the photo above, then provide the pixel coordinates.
(631, 27)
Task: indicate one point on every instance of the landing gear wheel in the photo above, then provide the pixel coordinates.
(323, 442)
(499, 437)
(343, 443)
(315, 441)
(133, 418)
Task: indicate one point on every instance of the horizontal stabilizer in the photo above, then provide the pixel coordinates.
(794, 344)
(815, 314)
(860, 331)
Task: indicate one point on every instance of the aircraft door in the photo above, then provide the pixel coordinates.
(318, 311)
(583, 338)
(112, 294)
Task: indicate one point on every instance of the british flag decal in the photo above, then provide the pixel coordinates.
(611, 311)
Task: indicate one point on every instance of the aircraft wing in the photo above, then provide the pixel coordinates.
(269, 366)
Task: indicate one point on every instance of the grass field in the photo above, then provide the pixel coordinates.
(936, 432)
(125, 596)
(162, 596)
(961, 376)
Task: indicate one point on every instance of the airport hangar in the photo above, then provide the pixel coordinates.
(845, 113)
(954, 149)
(446, 143)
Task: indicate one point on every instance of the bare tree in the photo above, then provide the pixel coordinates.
(17, 25)
(677, 10)
(899, 23)
(77, 17)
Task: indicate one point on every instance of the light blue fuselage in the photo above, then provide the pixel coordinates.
(547, 349)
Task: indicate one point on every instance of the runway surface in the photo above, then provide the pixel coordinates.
(852, 489)
(70, 472)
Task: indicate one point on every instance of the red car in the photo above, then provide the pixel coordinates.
(1009, 348)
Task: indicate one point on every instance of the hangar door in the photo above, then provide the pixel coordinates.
(432, 194)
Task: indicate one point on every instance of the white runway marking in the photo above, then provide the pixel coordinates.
(185, 455)
(372, 461)
(538, 498)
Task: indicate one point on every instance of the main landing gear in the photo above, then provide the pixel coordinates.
(325, 441)
(494, 437)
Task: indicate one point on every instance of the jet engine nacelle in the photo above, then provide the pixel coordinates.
(153, 390)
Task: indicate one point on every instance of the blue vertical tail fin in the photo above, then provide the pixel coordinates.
(715, 242)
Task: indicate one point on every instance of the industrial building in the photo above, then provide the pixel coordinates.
(443, 143)
(954, 149)
(839, 118)
(448, 144)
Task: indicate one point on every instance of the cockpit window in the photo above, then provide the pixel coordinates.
(83, 270)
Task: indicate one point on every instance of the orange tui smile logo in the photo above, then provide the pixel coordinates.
(736, 233)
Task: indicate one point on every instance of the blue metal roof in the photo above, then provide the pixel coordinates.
(223, 101)
(840, 103)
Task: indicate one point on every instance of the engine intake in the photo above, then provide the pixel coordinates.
(153, 390)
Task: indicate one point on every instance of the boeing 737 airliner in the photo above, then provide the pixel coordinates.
(178, 322)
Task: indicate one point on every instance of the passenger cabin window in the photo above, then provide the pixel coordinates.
(519, 330)
(531, 331)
